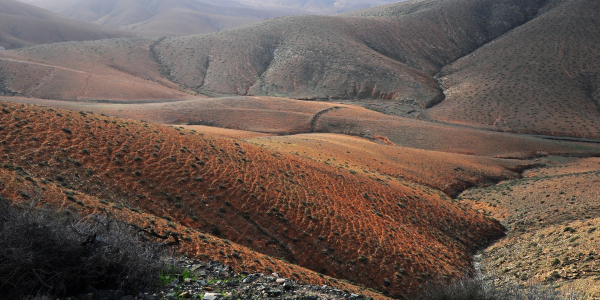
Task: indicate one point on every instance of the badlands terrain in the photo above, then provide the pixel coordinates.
(375, 151)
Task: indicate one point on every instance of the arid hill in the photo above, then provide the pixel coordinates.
(390, 236)
(24, 25)
(448, 172)
(280, 116)
(293, 7)
(388, 53)
(543, 77)
(120, 70)
(319, 7)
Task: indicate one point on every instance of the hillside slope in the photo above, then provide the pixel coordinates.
(553, 213)
(543, 77)
(23, 25)
(108, 70)
(389, 52)
(386, 235)
(500, 65)
(280, 116)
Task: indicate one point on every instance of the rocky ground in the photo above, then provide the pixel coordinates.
(213, 280)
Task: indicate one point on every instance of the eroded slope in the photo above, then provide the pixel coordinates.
(542, 77)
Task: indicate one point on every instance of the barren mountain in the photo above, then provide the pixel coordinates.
(543, 77)
(389, 52)
(24, 25)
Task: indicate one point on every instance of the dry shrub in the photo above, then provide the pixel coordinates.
(42, 253)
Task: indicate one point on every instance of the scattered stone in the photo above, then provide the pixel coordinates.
(288, 286)
(251, 278)
(218, 281)
(210, 296)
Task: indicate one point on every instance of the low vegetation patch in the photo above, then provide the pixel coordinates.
(479, 289)
(43, 253)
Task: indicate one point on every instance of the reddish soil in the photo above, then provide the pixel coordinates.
(280, 116)
(447, 172)
(347, 226)
(15, 183)
(118, 70)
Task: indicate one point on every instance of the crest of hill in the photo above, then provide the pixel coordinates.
(23, 25)
(390, 55)
(543, 77)
(386, 235)
(320, 7)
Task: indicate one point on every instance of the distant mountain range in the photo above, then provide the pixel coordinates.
(24, 25)
(185, 17)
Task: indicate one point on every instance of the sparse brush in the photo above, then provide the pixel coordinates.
(43, 254)
(479, 289)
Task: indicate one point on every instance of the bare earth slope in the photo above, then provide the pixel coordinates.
(24, 25)
(107, 70)
(519, 66)
(280, 116)
(388, 236)
(543, 77)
